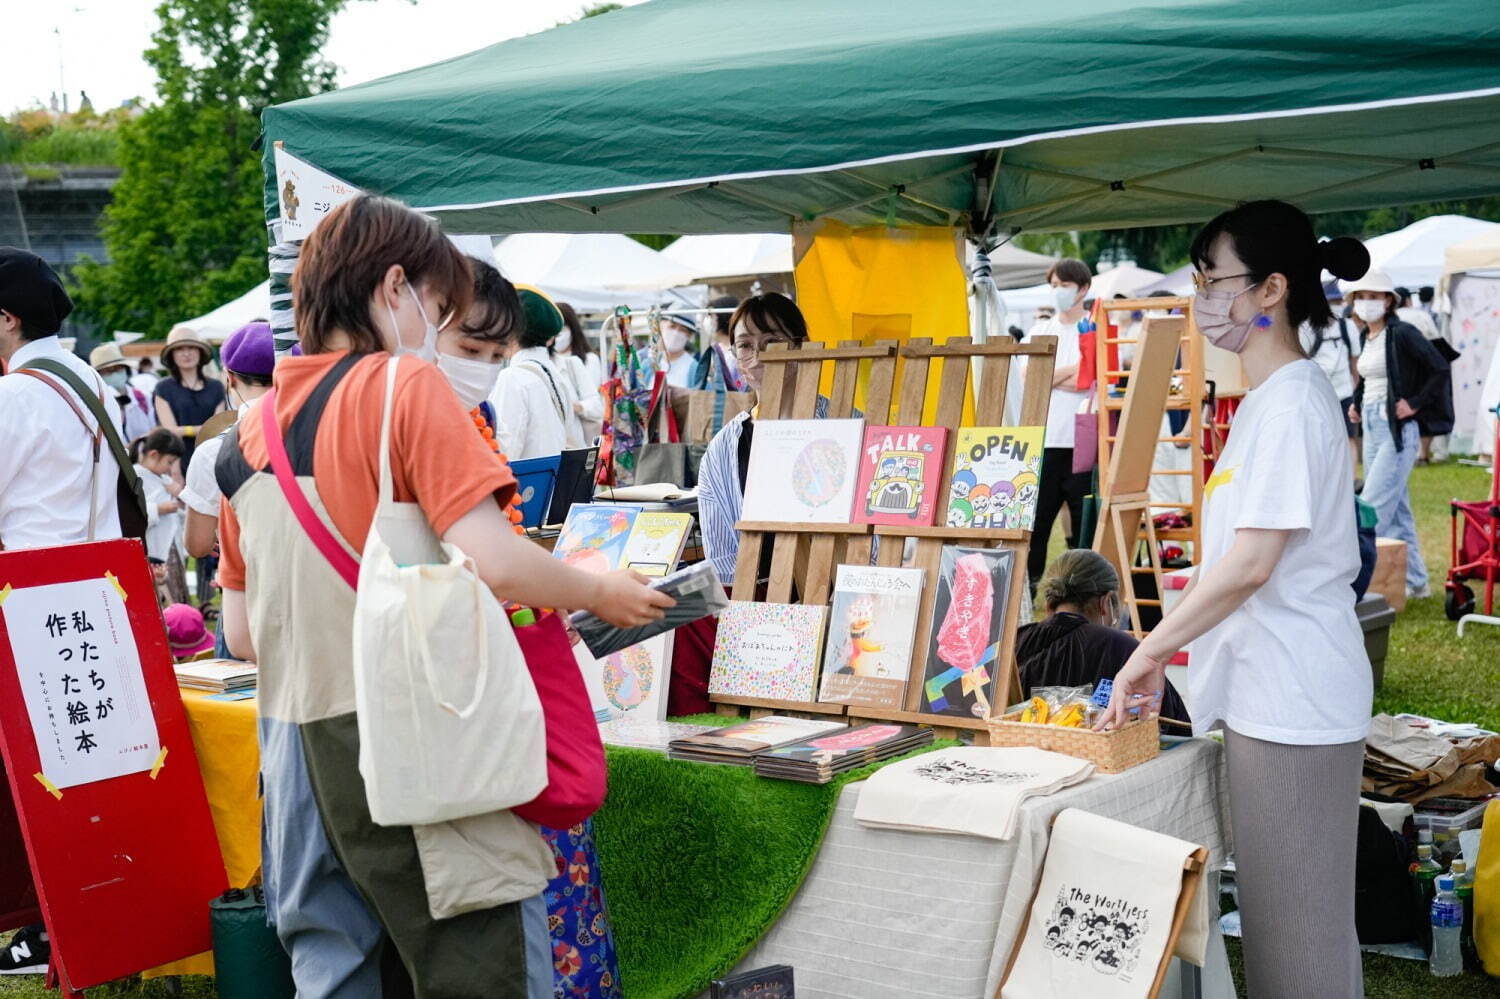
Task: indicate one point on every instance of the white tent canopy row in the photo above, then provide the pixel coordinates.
(1414, 256)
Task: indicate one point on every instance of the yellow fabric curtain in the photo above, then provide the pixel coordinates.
(883, 283)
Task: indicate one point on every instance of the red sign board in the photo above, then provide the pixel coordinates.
(100, 763)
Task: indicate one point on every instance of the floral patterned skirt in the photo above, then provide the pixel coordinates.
(583, 948)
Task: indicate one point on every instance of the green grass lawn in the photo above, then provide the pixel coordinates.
(1429, 670)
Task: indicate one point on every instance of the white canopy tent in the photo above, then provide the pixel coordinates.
(594, 272)
(734, 255)
(1124, 279)
(1413, 256)
(216, 326)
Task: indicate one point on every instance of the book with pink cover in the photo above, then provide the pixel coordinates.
(768, 651)
(900, 476)
(968, 617)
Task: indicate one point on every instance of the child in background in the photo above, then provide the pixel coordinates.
(187, 634)
(158, 461)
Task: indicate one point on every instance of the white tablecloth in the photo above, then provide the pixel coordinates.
(934, 916)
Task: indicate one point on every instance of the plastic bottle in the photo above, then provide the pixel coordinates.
(1463, 887)
(1424, 873)
(1447, 927)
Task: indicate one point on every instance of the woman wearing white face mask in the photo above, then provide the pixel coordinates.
(533, 397)
(1401, 374)
(1277, 655)
(1070, 280)
(676, 331)
(341, 889)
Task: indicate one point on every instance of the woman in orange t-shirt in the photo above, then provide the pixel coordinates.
(374, 278)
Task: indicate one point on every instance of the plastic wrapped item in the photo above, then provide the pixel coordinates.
(697, 590)
(1066, 706)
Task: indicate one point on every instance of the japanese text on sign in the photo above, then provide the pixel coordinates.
(80, 674)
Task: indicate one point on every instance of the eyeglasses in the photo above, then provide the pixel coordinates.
(1202, 283)
(748, 350)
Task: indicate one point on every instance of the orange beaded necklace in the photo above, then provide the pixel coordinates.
(513, 508)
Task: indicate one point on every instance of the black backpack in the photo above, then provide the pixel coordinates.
(1384, 905)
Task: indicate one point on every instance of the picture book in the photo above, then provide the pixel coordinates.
(871, 627)
(774, 982)
(638, 733)
(768, 650)
(738, 744)
(594, 536)
(900, 475)
(630, 683)
(968, 616)
(996, 472)
(656, 542)
(803, 471)
(818, 760)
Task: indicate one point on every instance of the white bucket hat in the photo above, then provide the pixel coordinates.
(1372, 281)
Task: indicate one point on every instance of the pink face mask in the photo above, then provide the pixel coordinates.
(1211, 313)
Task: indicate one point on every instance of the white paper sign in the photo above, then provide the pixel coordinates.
(306, 195)
(81, 678)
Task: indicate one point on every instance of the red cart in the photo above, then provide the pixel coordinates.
(1476, 546)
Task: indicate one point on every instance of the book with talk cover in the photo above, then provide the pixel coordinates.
(900, 476)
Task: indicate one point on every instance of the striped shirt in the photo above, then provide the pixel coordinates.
(721, 493)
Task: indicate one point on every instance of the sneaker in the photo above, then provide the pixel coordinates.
(1418, 594)
(27, 953)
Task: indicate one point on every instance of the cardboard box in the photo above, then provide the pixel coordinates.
(1389, 579)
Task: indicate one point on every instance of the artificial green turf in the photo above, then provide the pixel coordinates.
(699, 861)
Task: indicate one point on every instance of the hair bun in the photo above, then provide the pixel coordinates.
(1345, 258)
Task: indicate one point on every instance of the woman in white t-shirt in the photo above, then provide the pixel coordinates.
(1070, 280)
(1277, 656)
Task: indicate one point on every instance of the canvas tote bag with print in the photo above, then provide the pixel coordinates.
(450, 724)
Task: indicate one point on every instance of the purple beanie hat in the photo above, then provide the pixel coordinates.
(249, 350)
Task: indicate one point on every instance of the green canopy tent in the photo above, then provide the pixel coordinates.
(683, 116)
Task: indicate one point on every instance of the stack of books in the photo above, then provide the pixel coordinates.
(821, 759)
(737, 745)
(217, 676)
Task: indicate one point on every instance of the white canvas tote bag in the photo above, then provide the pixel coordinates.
(449, 721)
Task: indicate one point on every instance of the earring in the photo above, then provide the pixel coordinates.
(1262, 320)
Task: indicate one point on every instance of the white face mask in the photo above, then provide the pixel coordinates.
(1064, 296)
(563, 341)
(117, 379)
(674, 340)
(428, 350)
(472, 380)
(1370, 309)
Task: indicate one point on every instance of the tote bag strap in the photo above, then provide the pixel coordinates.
(387, 488)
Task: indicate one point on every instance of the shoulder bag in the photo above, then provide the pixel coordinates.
(130, 495)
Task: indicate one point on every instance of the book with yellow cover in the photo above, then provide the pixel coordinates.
(656, 542)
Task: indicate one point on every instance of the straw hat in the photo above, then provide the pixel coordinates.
(109, 355)
(181, 336)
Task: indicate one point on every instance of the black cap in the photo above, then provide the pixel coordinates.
(31, 290)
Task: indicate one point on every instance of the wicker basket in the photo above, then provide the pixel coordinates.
(1110, 752)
